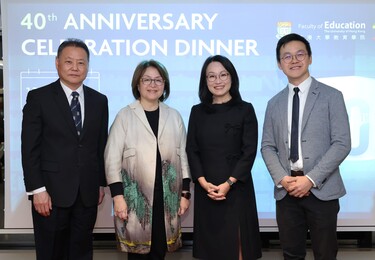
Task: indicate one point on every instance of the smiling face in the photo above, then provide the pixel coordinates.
(297, 70)
(72, 66)
(218, 82)
(151, 86)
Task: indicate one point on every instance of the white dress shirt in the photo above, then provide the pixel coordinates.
(302, 94)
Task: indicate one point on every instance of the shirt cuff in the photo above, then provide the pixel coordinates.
(186, 184)
(116, 188)
(36, 191)
(279, 186)
(314, 185)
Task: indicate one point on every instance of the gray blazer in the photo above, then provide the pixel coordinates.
(325, 140)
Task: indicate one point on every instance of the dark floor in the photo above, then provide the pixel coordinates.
(185, 254)
(21, 246)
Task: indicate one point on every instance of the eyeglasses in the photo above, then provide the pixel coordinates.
(300, 56)
(148, 81)
(223, 76)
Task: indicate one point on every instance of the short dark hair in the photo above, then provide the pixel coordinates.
(73, 42)
(204, 94)
(288, 38)
(139, 72)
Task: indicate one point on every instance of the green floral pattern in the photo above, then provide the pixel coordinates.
(138, 203)
(171, 197)
(136, 200)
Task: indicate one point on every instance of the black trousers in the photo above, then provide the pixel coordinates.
(67, 234)
(296, 216)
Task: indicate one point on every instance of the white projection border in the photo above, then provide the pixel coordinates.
(182, 36)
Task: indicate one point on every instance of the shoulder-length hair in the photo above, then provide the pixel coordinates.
(204, 94)
(139, 72)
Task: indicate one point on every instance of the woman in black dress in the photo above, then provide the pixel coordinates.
(221, 147)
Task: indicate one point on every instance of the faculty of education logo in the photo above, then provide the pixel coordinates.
(283, 28)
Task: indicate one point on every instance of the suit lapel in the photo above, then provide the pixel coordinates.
(140, 113)
(283, 106)
(164, 112)
(310, 101)
(63, 104)
(89, 113)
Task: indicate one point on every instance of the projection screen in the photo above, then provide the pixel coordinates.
(182, 35)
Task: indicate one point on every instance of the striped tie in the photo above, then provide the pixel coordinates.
(76, 112)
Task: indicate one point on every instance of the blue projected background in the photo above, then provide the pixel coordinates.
(182, 36)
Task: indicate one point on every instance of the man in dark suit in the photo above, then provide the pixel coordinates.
(306, 175)
(62, 157)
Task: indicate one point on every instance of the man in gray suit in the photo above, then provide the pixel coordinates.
(306, 174)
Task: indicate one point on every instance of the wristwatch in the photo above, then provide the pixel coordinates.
(230, 182)
(186, 195)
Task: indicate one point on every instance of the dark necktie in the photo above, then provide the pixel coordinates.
(76, 112)
(294, 132)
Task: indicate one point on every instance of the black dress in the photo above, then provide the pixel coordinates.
(222, 142)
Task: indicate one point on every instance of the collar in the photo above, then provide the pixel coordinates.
(303, 87)
(68, 91)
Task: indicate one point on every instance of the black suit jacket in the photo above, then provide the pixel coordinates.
(53, 155)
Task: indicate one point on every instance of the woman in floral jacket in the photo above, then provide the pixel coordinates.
(147, 169)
